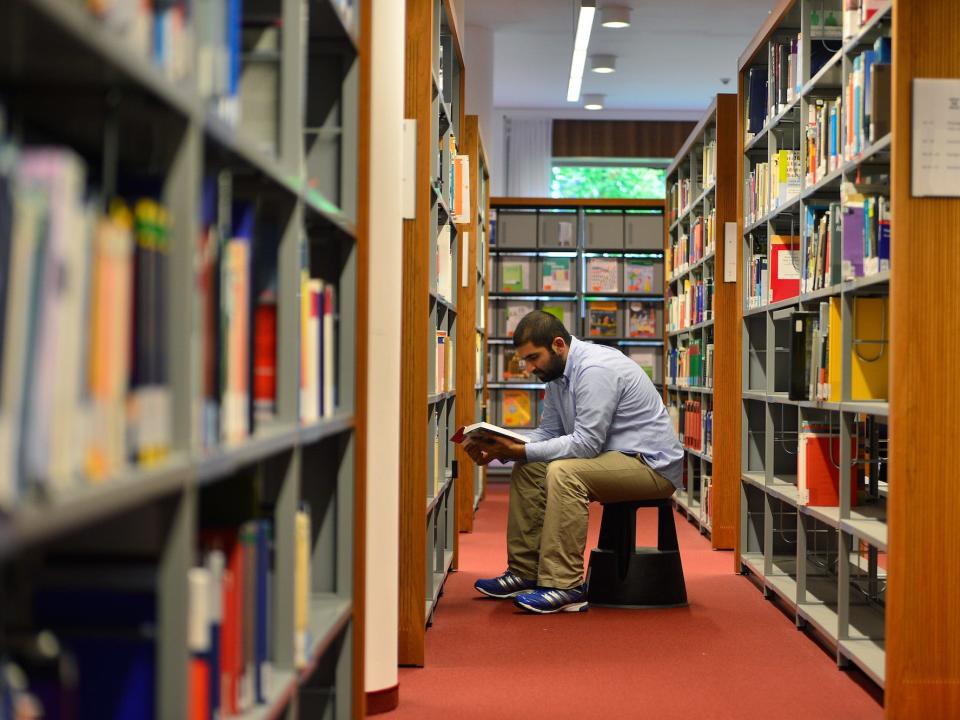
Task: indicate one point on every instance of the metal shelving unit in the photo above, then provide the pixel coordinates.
(708, 498)
(532, 228)
(129, 121)
(827, 564)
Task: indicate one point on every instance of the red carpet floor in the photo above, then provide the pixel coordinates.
(730, 654)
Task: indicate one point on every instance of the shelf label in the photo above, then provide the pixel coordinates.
(936, 138)
(730, 252)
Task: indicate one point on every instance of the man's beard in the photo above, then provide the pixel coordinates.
(553, 371)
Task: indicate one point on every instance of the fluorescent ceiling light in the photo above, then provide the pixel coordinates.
(615, 16)
(603, 63)
(593, 101)
(581, 40)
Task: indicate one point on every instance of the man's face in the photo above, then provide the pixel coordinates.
(545, 363)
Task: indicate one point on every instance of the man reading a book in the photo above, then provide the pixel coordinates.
(604, 435)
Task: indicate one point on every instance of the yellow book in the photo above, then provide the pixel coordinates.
(869, 356)
(835, 350)
(516, 409)
(301, 588)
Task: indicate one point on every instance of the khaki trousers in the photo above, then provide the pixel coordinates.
(547, 525)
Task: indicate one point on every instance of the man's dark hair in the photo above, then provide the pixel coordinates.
(539, 328)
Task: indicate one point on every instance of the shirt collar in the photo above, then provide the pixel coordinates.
(572, 355)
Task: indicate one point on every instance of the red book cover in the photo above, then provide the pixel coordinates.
(784, 267)
(231, 636)
(198, 707)
(818, 474)
(265, 356)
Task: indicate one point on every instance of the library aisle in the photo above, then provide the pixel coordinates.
(728, 655)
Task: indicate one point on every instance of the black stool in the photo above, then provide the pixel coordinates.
(623, 575)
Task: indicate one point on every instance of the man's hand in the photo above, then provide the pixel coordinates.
(476, 453)
(497, 447)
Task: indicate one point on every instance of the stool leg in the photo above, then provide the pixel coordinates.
(618, 532)
(666, 529)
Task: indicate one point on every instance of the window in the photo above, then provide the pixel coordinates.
(625, 178)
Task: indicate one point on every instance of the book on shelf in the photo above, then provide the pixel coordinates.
(642, 320)
(818, 471)
(556, 274)
(440, 360)
(870, 352)
(460, 208)
(603, 275)
(302, 584)
(603, 319)
(512, 366)
(708, 366)
(822, 247)
(445, 274)
(784, 267)
(478, 359)
(801, 353)
(481, 429)
(640, 276)
(265, 358)
(513, 312)
(84, 390)
(516, 408)
(865, 229)
(784, 177)
(317, 349)
(756, 100)
(515, 274)
(562, 311)
(706, 507)
(96, 644)
(649, 360)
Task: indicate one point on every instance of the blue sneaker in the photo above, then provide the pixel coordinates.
(551, 600)
(506, 586)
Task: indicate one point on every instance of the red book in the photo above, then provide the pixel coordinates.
(198, 707)
(231, 635)
(818, 474)
(784, 267)
(265, 359)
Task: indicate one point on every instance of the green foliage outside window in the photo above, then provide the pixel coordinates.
(607, 182)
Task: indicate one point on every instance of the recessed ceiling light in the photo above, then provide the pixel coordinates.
(615, 16)
(593, 101)
(603, 63)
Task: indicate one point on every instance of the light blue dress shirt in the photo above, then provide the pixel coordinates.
(605, 402)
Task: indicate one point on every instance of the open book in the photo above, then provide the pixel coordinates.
(483, 428)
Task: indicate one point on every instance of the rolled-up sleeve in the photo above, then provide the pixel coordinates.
(597, 395)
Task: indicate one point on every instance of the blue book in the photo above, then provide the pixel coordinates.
(883, 51)
(756, 98)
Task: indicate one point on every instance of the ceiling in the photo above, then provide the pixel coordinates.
(671, 59)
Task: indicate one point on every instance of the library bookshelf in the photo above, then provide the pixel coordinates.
(702, 325)
(219, 490)
(599, 259)
(472, 332)
(431, 318)
(823, 325)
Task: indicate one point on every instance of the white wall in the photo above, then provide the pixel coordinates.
(383, 372)
(479, 67)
